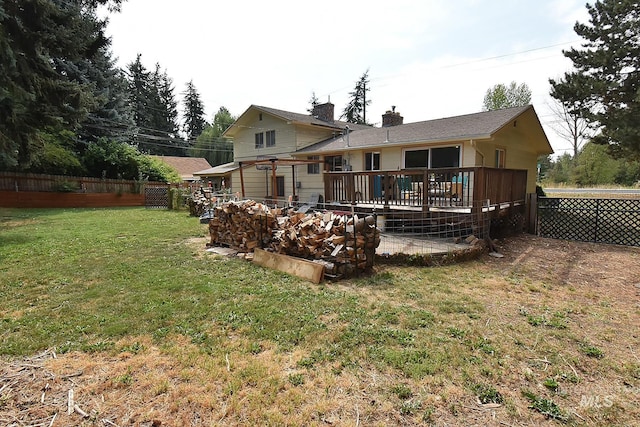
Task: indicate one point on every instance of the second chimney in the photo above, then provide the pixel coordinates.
(323, 112)
(391, 118)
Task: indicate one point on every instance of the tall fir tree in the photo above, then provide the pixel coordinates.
(313, 101)
(605, 86)
(194, 122)
(356, 109)
(47, 54)
(155, 110)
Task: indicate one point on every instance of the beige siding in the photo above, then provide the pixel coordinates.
(307, 136)
(519, 152)
(244, 141)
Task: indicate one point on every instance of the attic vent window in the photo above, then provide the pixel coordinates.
(260, 117)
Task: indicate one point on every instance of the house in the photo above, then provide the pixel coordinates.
(186, 166)
(488, 157)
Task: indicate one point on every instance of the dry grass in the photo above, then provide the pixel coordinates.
(546, 335)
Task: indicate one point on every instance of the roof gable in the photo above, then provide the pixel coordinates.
(245, 119)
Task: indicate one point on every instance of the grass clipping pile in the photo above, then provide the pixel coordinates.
(342, 243)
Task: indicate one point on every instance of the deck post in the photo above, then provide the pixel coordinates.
(241, 179)
(425, 191)
(385, 188)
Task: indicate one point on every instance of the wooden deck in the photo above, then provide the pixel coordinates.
(462, 190)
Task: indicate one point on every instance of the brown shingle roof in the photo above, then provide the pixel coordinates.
(185, 166)
(469, 126)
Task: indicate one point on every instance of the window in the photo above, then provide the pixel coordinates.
(372, 161)
(271, 138)
(500, 153)
(260, 140)
(313, 168)
(416, 159)
(334, 162)
(433, 158)
(445, 157)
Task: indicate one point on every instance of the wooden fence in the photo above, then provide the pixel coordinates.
(20, 190)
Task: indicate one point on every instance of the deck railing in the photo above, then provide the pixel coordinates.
(426, 188)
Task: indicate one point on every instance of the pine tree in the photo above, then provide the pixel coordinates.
(194, 122)
(154, 110)
(605, 88)
(312, 103)
(356, 109)
(46, 51)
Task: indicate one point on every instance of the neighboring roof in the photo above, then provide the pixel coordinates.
(219, 170)
(186, 166)
(304, 119)
(469, 126)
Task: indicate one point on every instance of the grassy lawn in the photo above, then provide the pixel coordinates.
(164, 331)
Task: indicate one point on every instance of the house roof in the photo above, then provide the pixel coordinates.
(220, 170)
(470, 126)
(186, 166)
(304, 119)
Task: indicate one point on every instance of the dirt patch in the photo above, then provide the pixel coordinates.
(589, 266)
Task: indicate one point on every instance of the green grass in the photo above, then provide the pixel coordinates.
(88, 279)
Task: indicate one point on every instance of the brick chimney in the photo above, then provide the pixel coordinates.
(323, 112)
(391, 118)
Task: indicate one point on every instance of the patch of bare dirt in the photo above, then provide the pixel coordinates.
(584, 265)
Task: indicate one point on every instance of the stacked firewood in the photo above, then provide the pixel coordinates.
(198, 203)
(342, 243)
(243, 225)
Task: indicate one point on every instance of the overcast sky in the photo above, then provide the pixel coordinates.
(429, 58)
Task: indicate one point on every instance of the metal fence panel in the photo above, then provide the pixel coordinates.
(615, 221)
(156, 197)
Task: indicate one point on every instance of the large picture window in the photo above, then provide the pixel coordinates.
(432, 158)
(445, 157)
(416, 159)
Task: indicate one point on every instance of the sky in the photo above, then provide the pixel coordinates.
(428, 58)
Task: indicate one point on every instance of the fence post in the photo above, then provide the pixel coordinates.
(595, 231)
(532, 214)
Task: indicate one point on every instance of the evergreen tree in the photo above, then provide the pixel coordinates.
(46, 51)
(154, 110)
(356, 109)
(194, 122)
(605, 88)
(501, 96)
(312, 103)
